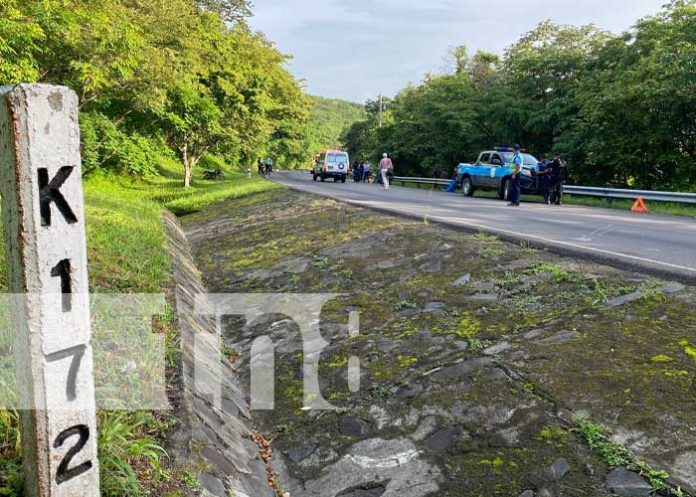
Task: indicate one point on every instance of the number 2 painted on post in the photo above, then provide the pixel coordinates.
(64, 472)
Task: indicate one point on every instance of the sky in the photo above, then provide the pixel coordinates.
(355, 49)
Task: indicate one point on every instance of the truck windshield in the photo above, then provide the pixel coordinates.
(529, 160)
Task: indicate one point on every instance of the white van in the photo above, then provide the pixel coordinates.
(332, 164)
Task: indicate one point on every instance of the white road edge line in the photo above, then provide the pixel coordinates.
(548, 240)
(516, 234)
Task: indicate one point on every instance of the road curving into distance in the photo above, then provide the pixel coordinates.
(657, 244)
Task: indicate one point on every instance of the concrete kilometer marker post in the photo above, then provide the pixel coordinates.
(43, 220)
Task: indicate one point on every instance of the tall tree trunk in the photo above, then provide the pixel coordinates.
(187, 166)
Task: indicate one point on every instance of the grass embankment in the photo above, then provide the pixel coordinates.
(126, 254)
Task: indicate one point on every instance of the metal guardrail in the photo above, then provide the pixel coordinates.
(586, 191)
(590, 191)
(420, 181)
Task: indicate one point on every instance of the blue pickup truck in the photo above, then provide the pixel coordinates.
(492, 172)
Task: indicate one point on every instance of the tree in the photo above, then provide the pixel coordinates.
(20, 41)
(230, 10)
(191, 121)
(637, 106)
(542, 70)
(483, 69)
(622, 109)
(460, 59)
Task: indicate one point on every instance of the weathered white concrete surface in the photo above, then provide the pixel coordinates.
(42, 208)
(396, 464)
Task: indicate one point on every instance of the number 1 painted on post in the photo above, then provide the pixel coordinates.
(43, 220)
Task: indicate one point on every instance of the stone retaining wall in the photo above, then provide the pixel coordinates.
(214, 436)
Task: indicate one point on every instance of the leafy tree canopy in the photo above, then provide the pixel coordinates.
(622, 109)
(187, 74)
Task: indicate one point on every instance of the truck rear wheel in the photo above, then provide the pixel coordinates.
(467, 187)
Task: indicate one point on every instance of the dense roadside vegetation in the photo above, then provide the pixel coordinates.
(127, 254)
(184, 80)
(620, 108)
(157, 81)
(163, 87)
(329, 118)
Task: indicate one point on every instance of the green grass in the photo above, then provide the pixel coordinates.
(491, 253)
(124, 438)
(124, 226)
(653, 207)
(125, 240)
(126, 254)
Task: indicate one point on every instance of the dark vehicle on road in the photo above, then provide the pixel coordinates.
(331, 164)
(492, 172)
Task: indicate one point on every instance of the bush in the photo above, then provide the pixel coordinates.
(212, 162)
(105, 147)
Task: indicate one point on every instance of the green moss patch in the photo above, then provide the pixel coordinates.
(423, 338)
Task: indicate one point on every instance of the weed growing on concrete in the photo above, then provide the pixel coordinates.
(616, 455)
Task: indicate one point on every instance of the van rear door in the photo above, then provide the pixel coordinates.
(337, 163)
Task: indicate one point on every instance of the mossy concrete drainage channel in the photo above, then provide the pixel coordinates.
(487, 368)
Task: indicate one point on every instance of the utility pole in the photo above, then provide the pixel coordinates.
(380, 109)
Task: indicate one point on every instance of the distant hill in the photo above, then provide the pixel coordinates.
(329, 117)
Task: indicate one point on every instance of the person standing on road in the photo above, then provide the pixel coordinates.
(386, 168)
(366, 172)
(361, 171)
(559, 175)
(544, 179)
(269, 166)
(516, 173)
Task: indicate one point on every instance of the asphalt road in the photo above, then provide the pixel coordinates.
(660, 245)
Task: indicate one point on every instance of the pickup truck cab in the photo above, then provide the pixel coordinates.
(492, 172)
(331, 164)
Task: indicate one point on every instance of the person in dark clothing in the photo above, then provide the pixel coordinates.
(558, 177)
(356, 172)
(544, 178)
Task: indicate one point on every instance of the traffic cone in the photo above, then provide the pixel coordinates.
(639, 205)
